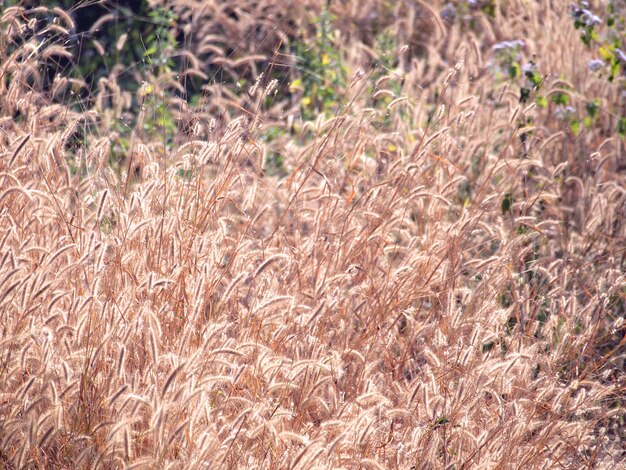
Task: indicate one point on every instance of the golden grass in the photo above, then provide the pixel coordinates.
(374, 308)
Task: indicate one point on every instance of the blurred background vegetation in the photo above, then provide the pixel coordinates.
(183, 49)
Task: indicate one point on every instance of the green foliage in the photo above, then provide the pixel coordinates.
(507, 203)
(386, 46)
(160, 42)
(593, 111)
(489, 8)
(541, 101)
(440, 422)
(588, 34)
(135, 37)
(560, 98)
(464, 193)
(274, 164)
(509, 66)
(609, 42)
(160, 121)
(621, 127)
(384, 66)
(507, 59)
(323, 75)
(184, 173)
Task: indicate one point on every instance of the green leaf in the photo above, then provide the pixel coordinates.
(606, 52)
(515, 70)
(593, 108)
(588, 35)
(184, 174)
(541, 101)
(507, 203)
(537, 79)
(524, 94)
(440, 422)
(151, 51)
(533, 77)
(560, 98)
(621, 127)
(614, 69)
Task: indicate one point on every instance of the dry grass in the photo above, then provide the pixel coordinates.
(374, 308)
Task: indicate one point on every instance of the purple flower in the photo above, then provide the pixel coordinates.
(448, 12)
(508, 45)
(587, 18)
(595, 65)
(563, 114)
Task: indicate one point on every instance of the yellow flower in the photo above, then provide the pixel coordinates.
(296, 85)
(145, 89)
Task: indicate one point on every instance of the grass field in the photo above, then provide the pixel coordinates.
(308, 234)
